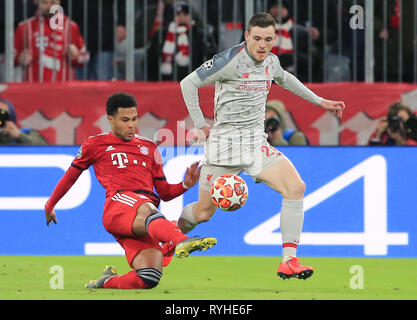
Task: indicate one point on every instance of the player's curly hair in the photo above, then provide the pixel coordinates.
(119, 100)
(261, 19)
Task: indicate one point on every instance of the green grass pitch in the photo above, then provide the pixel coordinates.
(213, 278)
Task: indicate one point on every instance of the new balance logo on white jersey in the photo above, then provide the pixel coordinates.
(110, 148)
(124, 199)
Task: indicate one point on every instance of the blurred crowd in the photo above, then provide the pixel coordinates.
(10, 133)
(173, 37)
(397, 128)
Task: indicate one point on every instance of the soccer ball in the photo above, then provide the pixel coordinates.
(229, 192)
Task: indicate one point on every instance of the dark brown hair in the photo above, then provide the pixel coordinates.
(262, 20)
(119, 100)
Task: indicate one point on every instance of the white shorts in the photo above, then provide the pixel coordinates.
(262, 157)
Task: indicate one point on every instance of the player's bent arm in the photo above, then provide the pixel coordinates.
(167, 191)
(292, 84)
(64, 184)
(189, 88)
(216, 69)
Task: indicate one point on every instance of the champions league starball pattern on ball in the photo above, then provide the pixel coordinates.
(229, 192)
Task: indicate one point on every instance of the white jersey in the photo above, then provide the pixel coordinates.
(241, 89)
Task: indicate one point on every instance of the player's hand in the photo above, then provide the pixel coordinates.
(50, 216)
(192, 174)
(336, 108)
(199, 135)
(202, 133)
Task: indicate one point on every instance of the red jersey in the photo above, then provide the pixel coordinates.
(120, 166)
(49, 49)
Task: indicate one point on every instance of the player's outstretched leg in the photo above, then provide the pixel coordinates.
(293, 269)
(197, 212)
(146, 273)
(141, 278)
(168, 249)
(189, 245)
(284, 178)
(109, 271)
(165, 231)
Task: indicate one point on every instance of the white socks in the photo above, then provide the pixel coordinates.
(292, 217)
(187, 221)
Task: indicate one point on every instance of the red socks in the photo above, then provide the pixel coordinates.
(145, 278)
(129, 280)
(160, 229)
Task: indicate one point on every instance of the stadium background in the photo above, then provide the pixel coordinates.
(361, 207)
(360, 199)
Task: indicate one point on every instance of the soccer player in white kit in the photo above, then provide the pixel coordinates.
(243, 76)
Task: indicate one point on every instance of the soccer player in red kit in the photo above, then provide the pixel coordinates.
(129, 167)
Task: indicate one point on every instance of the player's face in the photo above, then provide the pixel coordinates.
(124, 123)
(260, 41)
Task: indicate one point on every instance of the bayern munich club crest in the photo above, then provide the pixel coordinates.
(144, 150)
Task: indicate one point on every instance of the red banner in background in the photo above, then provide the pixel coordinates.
(68, 113)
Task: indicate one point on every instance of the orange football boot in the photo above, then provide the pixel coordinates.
(293, 269)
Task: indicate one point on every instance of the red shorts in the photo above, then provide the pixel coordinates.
(118, 215)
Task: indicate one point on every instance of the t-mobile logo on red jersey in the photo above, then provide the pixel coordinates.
(119, 158)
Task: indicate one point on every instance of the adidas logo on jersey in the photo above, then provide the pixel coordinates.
(110, 148)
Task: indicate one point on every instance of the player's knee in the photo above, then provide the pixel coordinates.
(296, 189)
(149, 276)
